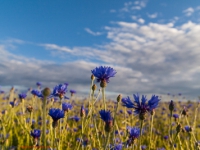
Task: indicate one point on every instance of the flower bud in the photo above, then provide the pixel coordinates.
(103, 83)
(108, 126)
(119, 98)
(94, 87)
(46, 92)
(92, 77)
(171, 106)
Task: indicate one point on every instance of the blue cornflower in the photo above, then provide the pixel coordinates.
(106, 115)
(56, 114)
(72, 92)
(103, 74)
(60, 90)
(36, 93)
(188, 128)
(66, 106)
(166, 137)
(134, 133)
(82, 111)
(22, 96)
(35, 133)
(38, 83)
(141, 107)
(176, 116)
(107, 118)
(129, 112)
(117, 147)
(76, 118)
(143, 147)
(12, 104)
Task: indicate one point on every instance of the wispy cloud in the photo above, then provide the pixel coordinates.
(154, 15)
(92, 33)
(189, 11)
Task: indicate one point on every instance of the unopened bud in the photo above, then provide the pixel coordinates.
(94, 87)
(92, 77)
(119, 98)
(29, 108)
(46, 92)
(103, 83)
(171, 106)
(178, 128)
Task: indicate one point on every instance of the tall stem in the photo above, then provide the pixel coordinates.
(141, 127)
(104, 97)
(107, 141)
(44, 121)
(152, 116)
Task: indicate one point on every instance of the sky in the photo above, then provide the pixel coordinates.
(152, 44)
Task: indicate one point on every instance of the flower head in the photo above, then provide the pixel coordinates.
(107, 118)
(117, 147)
(66, 106)
(72, 91)
(35, 92)
(56, 114)
(141, 107)
(103, 73)
(22, 96)
(82, 111)
(38, 83)
(176, 116)
(35, 133)
(134, 133)
(188, 129)
(60, 90)
(105, 115)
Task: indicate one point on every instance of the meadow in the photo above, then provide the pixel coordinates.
(55, 119)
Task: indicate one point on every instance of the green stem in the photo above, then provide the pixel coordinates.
(114, 118)
(104, 97)
(152, 116)
(141, 127)
(44, 122)
(107, 141)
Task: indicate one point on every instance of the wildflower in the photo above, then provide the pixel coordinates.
(38, 84)
(76, 118)
(66, 106)
(82, 112)
(171, 106)
(22, 96)
(188, 129)
(29, 108)
(134, 133)
(35, 133)
(141, 108)
(35, 93)
(56, 114)
(184, 111)
(103, 74)
(176, 116)
(107, 118)
(143, 147)
(166, 137)
(60, 90)
(129, 112)
(117, 147)
(72, 92)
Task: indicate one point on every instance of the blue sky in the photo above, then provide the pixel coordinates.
(152, 44)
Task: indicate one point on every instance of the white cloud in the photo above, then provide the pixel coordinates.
(189, 11)
(140, 20)
(92, 33)
(154, 15)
